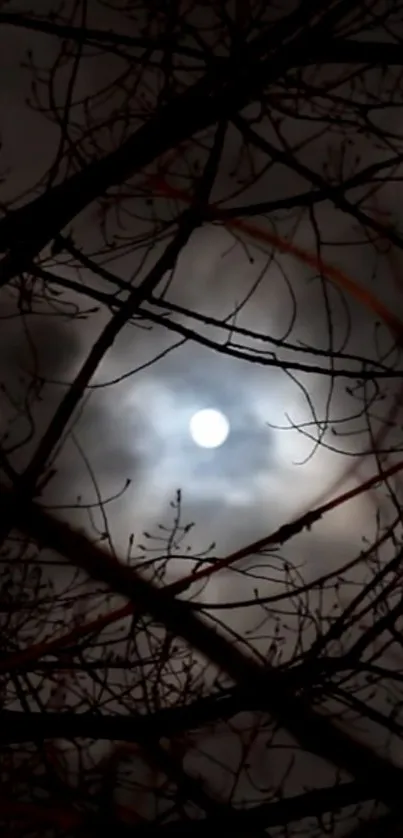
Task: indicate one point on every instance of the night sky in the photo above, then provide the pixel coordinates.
(138, 428)
(293, 433)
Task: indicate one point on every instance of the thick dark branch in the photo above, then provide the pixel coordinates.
(146, 731)
(368, 53)
(169, 721)
(311, 804)
(219, 94)
(27, 230)
(314, 732)
(346, 51)
(270, 360)
(22, 727)
(311, 197)
(96, 37)
(368, 370)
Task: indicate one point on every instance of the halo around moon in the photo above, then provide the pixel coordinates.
(209, 428)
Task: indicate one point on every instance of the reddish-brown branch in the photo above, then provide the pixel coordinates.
(36, 814)
(281, 535)
(336, 275)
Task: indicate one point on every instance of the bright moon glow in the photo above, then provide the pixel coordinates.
(209, 428)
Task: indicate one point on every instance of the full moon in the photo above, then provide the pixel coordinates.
(209, 428)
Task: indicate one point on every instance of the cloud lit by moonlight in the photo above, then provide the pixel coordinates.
(209, 428)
